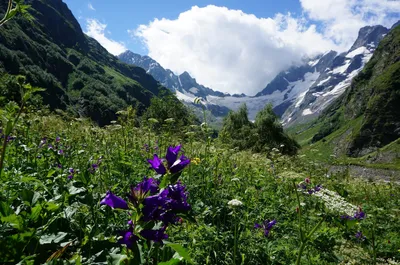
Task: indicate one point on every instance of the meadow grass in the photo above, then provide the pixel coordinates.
(50, 213)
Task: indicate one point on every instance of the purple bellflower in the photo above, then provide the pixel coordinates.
(174, 164)
(157, 164)
(114, 201)
(267, 226)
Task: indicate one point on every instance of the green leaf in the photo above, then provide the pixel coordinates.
(138, 254)
(36, 212)
(116, 259)
(181, 251)
(172, 261)
(50, 173)
(52, 238)
(14, 220)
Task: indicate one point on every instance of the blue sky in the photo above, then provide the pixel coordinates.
(128, 14)
(235, 46)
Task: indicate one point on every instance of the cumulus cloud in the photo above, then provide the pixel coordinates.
(90, 6)
(96, 29)
(231, 51)
(343, 18)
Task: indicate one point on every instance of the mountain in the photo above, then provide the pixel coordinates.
(184, 86)
(79, 75)
(366, 116)
(301, 93)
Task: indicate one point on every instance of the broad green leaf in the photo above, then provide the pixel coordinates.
(36, 212)
(181, 251)
(50, 173)
(116, 259)
(52, 238)
(14, 220)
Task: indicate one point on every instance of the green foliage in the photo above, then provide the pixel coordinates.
(264, 134)
(44, 216)
(78, 74)
(372, 100)
(168, 113)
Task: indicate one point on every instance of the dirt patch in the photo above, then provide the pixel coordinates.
(368, 173)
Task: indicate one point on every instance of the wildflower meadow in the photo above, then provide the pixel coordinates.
(75, 193)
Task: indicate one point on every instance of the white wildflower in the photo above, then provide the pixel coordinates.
(235, 179)
(335, 202)
(235, 203)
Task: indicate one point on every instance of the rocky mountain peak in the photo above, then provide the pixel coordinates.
(369, 35)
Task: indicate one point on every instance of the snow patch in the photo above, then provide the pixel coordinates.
(194, 90)
(358, 51)
(313, 63)
(324, 81)
(341, 69)
(307, 112)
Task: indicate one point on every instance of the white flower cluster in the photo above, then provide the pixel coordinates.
(235, 203)
(335, 202)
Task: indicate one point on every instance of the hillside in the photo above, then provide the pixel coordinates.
(366, 118)
(79, 75)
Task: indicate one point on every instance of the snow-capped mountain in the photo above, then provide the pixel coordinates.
(184, 86)
(333, 73)
(298, 94)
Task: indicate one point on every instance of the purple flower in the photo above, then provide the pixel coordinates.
(114, 201)
(60, 152)
(154, 235)
(178, 197)
(128, 238)
(58, 139)
(157, 165)
(359, 215)
(50, 146)
(359, 236)
(165, 205)
(43, 142)
(172, 154)
(267, 226)
(72, 173)
(318, 188)
(147, 185)
(155, 207)
(179, 164)
(146, 147)
(141, 190)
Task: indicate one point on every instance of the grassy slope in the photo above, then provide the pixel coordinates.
(77, 72)
(362, 122)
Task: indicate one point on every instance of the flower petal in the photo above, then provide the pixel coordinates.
(114, 201)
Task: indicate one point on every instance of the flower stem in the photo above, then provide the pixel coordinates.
(302, 246)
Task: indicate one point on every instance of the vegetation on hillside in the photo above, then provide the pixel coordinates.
(79, 75)
(264, 134)
(366, 117)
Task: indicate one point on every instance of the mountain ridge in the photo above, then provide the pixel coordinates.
(79, 75)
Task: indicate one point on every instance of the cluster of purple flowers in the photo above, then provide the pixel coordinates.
(305, 186)
(267, 226)
(174, 164)
(359, 215)
(154, 205)
(72, 173)
(56, 147)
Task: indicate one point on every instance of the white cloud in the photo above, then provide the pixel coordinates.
(90, 6)
(343, 18)
(231, 51)
(95, 29)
